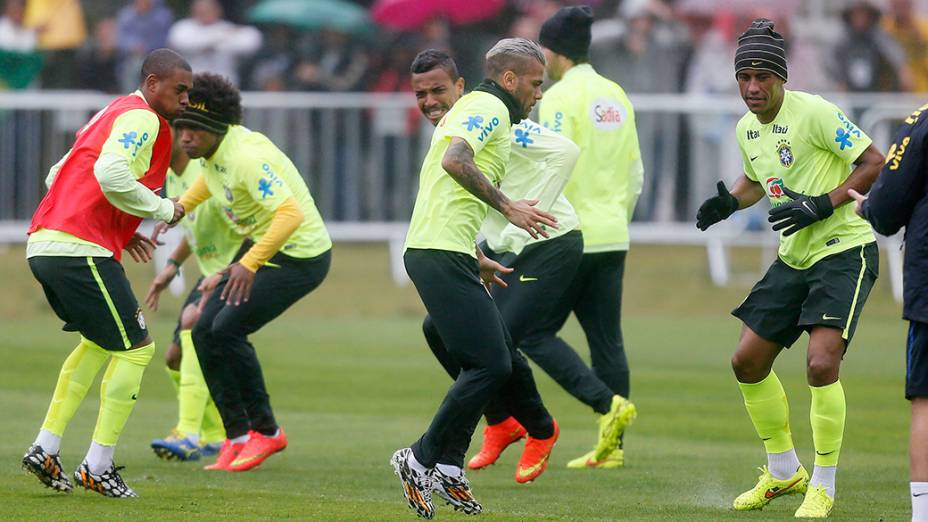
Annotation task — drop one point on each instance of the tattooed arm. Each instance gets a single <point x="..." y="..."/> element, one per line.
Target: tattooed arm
<point x="458" y="162"/>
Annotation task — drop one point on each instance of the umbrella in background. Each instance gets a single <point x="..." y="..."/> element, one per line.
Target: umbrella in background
<point x="338" y="15"/>
<point x="411" y="14"/>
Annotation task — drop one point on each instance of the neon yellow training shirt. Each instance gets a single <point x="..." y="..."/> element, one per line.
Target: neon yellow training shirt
<point x="212" y="237"/>
<point x="446" y="216"/>
<point x="596" y="114"/>
<point x="250" y="178"/>
<point x="810" y="146"/>
<point x="540" y="165"/>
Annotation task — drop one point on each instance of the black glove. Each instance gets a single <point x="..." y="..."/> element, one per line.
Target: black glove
<point x="716" y="208"/>
<point x="801" y="212"/>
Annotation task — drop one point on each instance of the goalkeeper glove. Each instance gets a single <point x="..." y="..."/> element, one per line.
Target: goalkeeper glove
<point x="716" y="208"/>
<point x="801" y="212"/>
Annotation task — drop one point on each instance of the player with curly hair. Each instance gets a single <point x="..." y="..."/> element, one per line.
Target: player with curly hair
<point x="263" y="194"/>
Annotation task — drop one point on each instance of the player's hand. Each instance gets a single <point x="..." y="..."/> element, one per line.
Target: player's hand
<point x="160" y="228"/>
<point x="489" y="271"/>
<point x="717" y="208"/>
<point x="206" y="288"/>
<point x="140" y="248"/>
<point x="801" y="212"/>
<point x="858" y="201"/>
<point x="161" y="281"/>
<point x="238" y="287"/>
<point x="179" y="212"/>
<point x="524" y="215"/>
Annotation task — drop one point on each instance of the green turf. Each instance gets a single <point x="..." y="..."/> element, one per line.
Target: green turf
<point x="351" y="380"/>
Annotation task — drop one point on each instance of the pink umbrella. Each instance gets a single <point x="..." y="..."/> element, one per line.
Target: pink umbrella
<point x="412" y="14"/>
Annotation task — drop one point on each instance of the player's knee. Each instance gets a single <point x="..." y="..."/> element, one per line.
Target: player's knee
<point x="821" y="370"/>
<point x="746" y="368"/>
<point x="189" y="317"/>
<point x="500" y="370"/>
<point x="172" y="357"/>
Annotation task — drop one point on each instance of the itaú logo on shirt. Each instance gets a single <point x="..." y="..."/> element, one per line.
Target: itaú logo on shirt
<point x="607" y="114"/>
<point x="775" y="188"/>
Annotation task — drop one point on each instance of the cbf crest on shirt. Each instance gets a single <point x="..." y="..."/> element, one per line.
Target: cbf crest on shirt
<point x="810" y="147"/>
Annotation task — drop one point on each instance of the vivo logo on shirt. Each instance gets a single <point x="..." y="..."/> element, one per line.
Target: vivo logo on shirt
<point x="488" y="129"/>
<point x="607" y="114"/>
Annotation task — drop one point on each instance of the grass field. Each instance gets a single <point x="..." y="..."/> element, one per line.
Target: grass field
<point x="352" y="380"/>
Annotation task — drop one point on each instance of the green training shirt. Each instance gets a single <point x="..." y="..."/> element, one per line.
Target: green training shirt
<point x="446" y="216"/>
<point x="250" y="177"/>
<point x="212" y="237"/>
<point x="595" y="113"/>
<point x="810" y="147"/>
<point x="540" y="165"/>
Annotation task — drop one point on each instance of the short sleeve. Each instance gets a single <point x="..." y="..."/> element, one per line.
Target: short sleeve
<point x="263" y="183"/>
<point x="832" y="130"/>
<point x="477" y="121"/>
<point x="133" y="133"/>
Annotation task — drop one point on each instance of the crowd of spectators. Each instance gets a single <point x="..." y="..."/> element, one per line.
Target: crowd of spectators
<point x="656" y="46"/>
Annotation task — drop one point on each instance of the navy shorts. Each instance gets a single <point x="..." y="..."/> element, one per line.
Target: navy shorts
<point x="916" y="361"/>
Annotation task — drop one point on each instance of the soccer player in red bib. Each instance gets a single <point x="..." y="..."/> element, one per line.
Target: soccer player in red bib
<point x="98" y="194"/>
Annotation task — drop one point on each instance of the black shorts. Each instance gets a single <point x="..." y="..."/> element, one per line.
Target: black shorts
<point x="192" y="298"/>
<point x="832" y="292"/>
<point x="916" y="361"/>
<point x="92" y="296"/>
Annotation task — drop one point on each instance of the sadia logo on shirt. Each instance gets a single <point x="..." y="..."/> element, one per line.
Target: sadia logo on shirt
<point x="775" y="188"/>
<point x="607" y="114"/>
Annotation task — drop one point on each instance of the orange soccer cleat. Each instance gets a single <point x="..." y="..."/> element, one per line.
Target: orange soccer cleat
<point x="258" y="448"/>
<point x="534" y="459"/>
<point x="227" y="453"/>
<point x="496" y="438"/>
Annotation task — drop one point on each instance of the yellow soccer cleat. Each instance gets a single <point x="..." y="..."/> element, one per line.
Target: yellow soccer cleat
<point x="612" y="425"/>
<point x="769" y="488"/>
<point x="616" y="459"/>
<point x="817" y="503"/>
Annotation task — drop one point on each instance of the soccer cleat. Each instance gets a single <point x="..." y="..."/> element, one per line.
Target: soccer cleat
<point x="47" y="468"/>
<point x="612" y="425"/>
<point x="176" y="447"/>
<point x="227" y="453"/>
<point x="455" y="491"/>
<point x="496" y="438"/>
<point x="535" y="457"/>
<point x="769" y="488"/>
<point x="258" y="448"/>
<point x="208" y="449"/>
<point x="417" y="487"/>
<point x="817" y="503"/>
<point x="108" y="483"/>
<point x="616" y="459"/>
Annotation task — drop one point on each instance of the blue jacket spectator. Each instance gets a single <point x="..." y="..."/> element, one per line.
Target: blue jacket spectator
<point x="141" y="27"/>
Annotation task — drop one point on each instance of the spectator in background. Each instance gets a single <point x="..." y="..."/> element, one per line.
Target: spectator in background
<point x="911" y="32"/>
<point x="97" y="61"/>
<point x="14" y="36"/>
<point x="331" y="62"/>
<point x="626" y="50"/>
<point x="866" y="58"/>
<point x="141" y="27"/>
<point x="269" y="69"/>
<point x="212" y="44"/>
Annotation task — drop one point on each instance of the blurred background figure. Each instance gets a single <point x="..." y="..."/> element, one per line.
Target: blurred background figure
<point x="14" y="36"/>
<point x="98" y="60"/>
<point x="211" y="43"/>
<point x="910" y="31"/>
<point x="141" y="27"/>
<point x="866" y="58"/>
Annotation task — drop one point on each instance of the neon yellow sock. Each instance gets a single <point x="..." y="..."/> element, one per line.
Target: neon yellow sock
<point x="769" y="411"/>
<point x="174" y="375"/>
<point x="193" y="391"/>
<point x="77" y="374"/>
<point x="212" y="429"/>
<point x="119" y="391"/>
<point x="827" y="418"/>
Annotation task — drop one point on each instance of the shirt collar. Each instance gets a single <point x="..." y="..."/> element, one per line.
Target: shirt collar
<point x="138" y="92"/>
<point x="578" y="69"/>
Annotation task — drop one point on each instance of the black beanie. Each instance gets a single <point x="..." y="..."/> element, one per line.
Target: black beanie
<point x="760" y="47"/>
<point x="567" y="32"/>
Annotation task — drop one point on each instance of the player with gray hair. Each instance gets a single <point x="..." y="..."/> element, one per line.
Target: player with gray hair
<point x="458" y="183"/>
